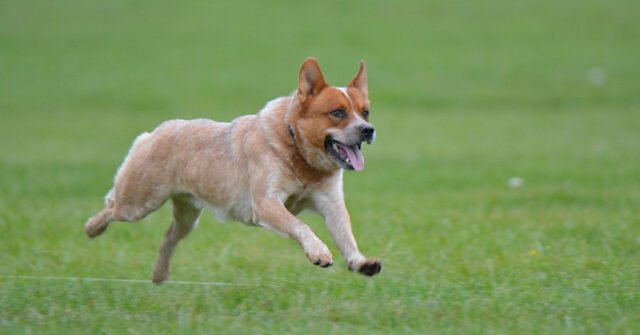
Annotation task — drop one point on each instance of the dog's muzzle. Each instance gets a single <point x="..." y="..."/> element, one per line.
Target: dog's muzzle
<point x="368" y="133"/>
<point x="347" y="154"/>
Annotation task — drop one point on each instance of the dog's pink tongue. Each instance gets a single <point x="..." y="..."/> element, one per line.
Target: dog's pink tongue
<point x="355" y="157"/>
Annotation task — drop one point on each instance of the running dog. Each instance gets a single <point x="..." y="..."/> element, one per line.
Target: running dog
<point x="259" y="169"/>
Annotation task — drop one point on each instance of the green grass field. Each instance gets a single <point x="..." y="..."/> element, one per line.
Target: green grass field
<point x="465" y="96"/>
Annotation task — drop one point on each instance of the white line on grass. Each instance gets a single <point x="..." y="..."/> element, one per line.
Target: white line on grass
<point x="119" y="280"/>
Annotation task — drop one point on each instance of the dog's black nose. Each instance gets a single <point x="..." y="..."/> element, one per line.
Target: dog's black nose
<point x="367" y="131"/>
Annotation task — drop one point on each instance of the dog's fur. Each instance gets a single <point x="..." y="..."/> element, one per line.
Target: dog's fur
<point x="259" y="169"/>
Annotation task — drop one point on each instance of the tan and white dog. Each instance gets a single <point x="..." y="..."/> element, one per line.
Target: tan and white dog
<point x="259" y="169"/>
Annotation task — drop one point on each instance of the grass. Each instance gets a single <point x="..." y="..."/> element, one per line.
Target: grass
<point x="464" y="97"/>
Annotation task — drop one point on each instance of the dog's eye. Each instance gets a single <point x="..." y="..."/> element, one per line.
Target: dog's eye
<point x="365" y="114"/>
<point x="338" y="114"/>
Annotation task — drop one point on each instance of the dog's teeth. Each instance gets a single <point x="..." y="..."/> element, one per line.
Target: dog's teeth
<point x="335" y="146"/>
<point x="348" y="161"/>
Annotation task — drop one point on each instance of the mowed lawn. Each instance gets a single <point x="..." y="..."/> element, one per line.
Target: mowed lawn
<point x="465" y="96"/>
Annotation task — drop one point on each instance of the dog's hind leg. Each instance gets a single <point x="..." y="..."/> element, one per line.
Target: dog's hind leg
<point x="185" y="219"/>
<point x="131" y="205"/>
<point x="98" y="224"/>
<point x="139" y="188"/>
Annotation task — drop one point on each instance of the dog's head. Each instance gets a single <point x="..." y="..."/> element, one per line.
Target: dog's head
<point x="331" y="122"/>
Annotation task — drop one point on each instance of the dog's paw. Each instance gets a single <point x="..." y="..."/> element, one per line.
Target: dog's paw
<point x="319" y="255"/>
<point x="92" y="229"/>
<point x="369" y="267"/>
<point x="160" y="274"/>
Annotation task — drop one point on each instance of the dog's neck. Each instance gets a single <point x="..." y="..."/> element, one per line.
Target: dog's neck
<point x="293" y="136"/>
<point x="305" y="172"/>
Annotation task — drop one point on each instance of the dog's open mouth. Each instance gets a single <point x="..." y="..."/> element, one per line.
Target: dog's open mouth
<point x="346" y="156"/>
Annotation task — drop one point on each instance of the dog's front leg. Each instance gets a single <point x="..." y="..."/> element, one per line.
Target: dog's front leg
<point x="331" y="206"/>
<point x="272" y="214"/>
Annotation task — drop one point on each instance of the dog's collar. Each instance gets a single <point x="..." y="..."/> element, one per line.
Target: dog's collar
<point x="293" y="136"/>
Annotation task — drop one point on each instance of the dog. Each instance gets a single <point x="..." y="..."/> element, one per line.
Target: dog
<point x="260" y="169"/>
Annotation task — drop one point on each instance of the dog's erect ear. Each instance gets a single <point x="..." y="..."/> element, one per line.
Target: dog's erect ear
<point x="310" y="80"/>
<point x="360" y="81"/>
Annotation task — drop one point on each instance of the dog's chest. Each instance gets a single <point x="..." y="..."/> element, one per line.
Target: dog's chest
<point x="297" y="202"/>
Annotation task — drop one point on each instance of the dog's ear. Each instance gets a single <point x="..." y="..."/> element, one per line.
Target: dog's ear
<point x="310" y="80"/>
<point x="360" y="81"/>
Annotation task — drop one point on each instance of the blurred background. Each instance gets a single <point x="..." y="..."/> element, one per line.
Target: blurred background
<point x="502" y="192"/>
